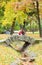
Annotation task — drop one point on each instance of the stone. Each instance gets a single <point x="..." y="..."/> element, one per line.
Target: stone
<point x="7" y="42"/>
<point x="13" y="63"/>
<point x="16" y="62"/>
<point x="31" y="55"/>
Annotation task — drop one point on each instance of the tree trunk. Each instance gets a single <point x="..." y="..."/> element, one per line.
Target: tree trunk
<point x="30" y="26"/>
<point x="24" y="25"/>
<point x="12" y="28"/>
<point x="37" y="5"/>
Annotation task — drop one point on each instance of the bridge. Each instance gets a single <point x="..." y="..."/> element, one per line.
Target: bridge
<point x="27" y="39"/>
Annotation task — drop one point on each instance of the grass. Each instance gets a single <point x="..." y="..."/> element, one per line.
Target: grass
<point x="7" y="55"/>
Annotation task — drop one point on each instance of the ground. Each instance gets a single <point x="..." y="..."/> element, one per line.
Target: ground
<point x="9" y="55"/>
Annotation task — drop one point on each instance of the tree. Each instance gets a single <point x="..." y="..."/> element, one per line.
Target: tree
<point x="21" y="9"/>
<point x="12" y="27"/>
<point x="38" y="17"/>
<point x="10" y="14"/>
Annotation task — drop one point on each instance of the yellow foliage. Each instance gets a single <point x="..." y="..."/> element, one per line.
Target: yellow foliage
<point x="8" y="5"/>
<point x="4" y="23"/>
<point x="2" y="4"/>
<point x="14" y="0"/>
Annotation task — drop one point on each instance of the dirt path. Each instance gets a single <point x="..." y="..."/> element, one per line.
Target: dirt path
<point x="2" y="36"/>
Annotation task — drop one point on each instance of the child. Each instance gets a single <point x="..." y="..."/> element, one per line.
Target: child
<point x="21" y="32"/>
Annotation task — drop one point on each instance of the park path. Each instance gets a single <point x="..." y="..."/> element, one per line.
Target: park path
<point x="3" y="36"/>
<point x="36" y="35"/>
